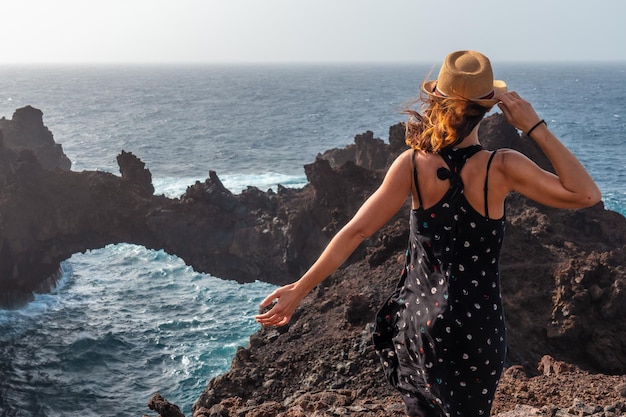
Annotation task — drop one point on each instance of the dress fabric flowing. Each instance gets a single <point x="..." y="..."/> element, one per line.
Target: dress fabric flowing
<point x="441" y="334"/>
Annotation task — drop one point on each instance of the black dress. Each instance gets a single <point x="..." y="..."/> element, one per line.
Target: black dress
<point x="441" y="335"/>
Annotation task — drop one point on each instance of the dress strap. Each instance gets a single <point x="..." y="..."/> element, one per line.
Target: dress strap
<point x="486" y="183"/>
<point x="417" y="187"/>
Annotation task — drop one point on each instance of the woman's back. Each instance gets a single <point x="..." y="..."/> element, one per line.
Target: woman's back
<point x="473" y="176"/>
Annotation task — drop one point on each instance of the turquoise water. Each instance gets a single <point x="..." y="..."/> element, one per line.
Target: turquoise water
<point x="126" y="322"/>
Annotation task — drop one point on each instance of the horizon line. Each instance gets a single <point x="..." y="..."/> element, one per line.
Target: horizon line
<point x="294" y="63"/>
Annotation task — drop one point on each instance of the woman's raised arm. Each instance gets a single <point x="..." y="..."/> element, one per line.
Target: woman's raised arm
<point x="571" y="187"/>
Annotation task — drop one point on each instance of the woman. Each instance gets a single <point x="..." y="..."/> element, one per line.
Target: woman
<point x="441" y="335"/>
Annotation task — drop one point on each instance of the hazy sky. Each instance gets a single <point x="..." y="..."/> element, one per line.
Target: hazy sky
<point x="153" y="31"/>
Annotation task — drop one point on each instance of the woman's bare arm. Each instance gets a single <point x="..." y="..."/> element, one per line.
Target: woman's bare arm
<point x="373" y="214"/>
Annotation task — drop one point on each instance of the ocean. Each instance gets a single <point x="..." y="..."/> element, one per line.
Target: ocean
<point x="126" y="322"/>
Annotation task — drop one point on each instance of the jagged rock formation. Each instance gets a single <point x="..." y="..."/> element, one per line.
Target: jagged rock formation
<point x="26" y="132"/>
<point x="48" y="213"/>
<point x="563" y="271"/>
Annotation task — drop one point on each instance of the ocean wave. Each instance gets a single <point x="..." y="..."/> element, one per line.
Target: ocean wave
<point x="236" y="183"/>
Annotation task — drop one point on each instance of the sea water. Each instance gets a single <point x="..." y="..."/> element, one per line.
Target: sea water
<point x="124" y="321"/>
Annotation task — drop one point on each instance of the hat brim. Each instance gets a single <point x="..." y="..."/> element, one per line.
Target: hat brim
<point x="499" y="88"/>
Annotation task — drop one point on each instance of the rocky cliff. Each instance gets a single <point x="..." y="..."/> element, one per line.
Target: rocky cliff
<point x="563" y="270"/>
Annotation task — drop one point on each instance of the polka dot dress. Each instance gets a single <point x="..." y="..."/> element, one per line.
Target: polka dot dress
<point x="441" y="334"/>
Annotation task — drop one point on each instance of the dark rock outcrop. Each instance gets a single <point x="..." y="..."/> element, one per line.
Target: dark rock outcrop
<point x="26" y="131"/>
<point x="563" y="270"/>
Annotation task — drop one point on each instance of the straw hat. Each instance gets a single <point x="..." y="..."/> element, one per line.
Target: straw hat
<point x="467" y="75"/>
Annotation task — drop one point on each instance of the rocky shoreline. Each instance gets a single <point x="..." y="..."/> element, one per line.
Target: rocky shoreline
<point x="564" y="274"/>
<point x="323" y="364"/>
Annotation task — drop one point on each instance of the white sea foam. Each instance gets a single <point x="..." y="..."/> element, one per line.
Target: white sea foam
<point x="175" y="187"/>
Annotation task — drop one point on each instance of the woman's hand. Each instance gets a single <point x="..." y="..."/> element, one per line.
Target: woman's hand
<point x="288" y="298"/>
<point x="518" y="111"/>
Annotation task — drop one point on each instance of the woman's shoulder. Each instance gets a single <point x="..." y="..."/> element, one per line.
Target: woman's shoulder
<point x="406" y="156"/>
<point x="511" y="163"/>
<point x="506" y="156"/>
<point x="403" y="161"/>
<point x="411" y="157"/>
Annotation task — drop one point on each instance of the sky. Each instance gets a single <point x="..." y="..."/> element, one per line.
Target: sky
<point x="312" y="31"/>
